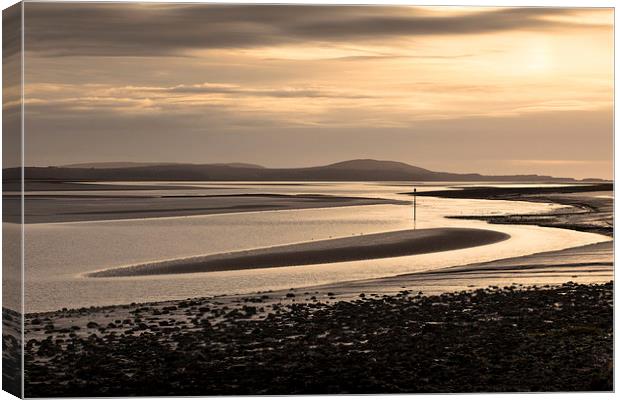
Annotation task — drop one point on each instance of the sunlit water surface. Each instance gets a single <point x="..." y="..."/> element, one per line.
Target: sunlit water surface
<point x="58" y="254"/>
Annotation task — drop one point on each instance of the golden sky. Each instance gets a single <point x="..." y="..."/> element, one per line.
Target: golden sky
<point x="488" y="90"/>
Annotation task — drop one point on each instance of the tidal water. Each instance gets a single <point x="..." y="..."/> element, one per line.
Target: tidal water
<point x="59" y="254"/>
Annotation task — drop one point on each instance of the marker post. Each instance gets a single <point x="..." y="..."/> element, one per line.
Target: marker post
<point x="414" y="206"/>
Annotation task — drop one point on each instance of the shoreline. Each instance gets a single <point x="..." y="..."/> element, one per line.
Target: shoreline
<point x="596" y="215"/>
<point x="426" y="282"/>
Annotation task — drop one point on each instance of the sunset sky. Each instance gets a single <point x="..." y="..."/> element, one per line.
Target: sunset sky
<point x="488" y="90"/>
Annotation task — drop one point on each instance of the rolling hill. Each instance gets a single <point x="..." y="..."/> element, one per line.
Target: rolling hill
<point x="353" y="170"/>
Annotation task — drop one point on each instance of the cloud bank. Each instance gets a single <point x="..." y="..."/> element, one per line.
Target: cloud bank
<point x="70" y="29"/>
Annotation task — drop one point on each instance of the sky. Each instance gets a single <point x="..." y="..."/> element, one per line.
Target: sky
<point x="457" y="89"/>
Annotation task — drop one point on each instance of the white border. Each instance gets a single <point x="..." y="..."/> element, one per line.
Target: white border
<point x="500" y="3"/>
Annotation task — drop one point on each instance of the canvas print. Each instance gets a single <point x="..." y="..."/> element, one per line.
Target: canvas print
<point x="244" y="199"/>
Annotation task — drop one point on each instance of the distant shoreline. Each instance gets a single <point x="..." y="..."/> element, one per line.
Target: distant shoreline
<point x="73" y="206"/>
<point x="78" y="208"/>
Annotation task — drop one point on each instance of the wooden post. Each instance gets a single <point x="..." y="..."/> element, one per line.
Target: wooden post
<point x="414" y="206"/>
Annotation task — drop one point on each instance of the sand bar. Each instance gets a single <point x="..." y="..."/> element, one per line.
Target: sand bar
<point x="364" y="247"/>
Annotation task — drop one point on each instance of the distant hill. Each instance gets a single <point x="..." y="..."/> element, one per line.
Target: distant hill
<point x="123" y="164"/>
<point x="353" y="170"/>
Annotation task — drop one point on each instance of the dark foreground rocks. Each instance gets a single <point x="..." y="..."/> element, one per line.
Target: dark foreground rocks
<point x="11" y="352"/>
<point x="534" y="339"/>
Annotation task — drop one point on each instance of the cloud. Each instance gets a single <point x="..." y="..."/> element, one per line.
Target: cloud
<point x="291" y="92"/>
<point x="379" y="57"/>
<point x="233" y="91"/>
<point x="225" y="104"/>
<point x="11" y="31"/>
<point x="228" y="106"/>
<point x="58" y="29"/>
<point x="408" y="24"/>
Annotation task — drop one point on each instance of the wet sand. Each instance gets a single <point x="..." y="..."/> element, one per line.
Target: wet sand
<point x="75" y="207"/>
<point x="43" y="186"/>
<point x="584" y="264"/>
<point x="589" y="207"/>
<point x="364" y="247"/>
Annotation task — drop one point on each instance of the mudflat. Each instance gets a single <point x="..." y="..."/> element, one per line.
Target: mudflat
<point x="74" y="207"/>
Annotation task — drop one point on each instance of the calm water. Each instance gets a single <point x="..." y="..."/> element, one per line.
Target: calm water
<point x="58" y="254"/>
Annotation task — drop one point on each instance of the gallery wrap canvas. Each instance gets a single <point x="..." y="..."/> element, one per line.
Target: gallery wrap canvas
<point x="253" y="199"/>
